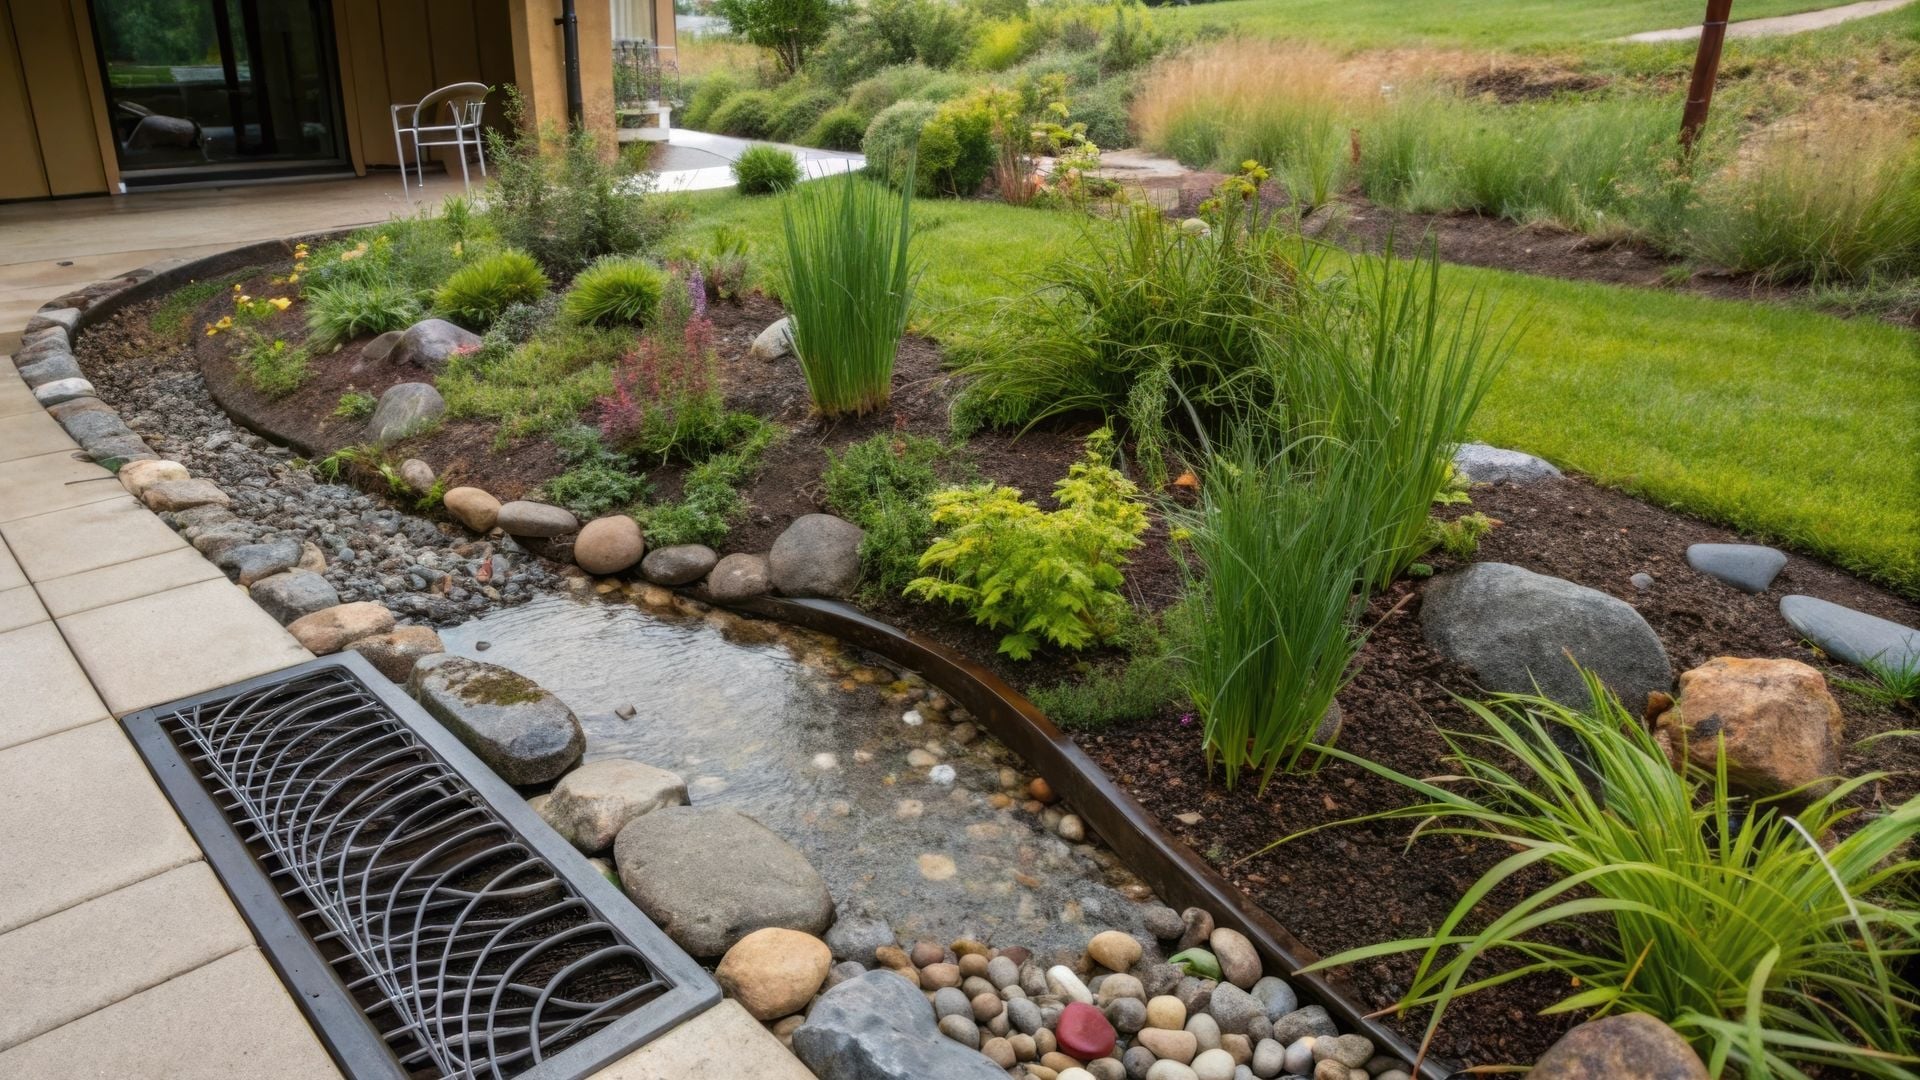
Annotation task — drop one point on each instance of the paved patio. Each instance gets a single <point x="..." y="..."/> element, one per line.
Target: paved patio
<point x="125" y="958"/>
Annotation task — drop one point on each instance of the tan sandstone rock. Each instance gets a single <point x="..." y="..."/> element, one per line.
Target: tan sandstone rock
<point x="138" y="476"/>
<point x="331" y="629"/>
<point x="608" y="545"/>
<point x="394" y="653"/>
<point x="774" y="972"/>
<point x="1629" y="1046"/>
<point x="1782" y="728"/>
<point x="472" y="507"/>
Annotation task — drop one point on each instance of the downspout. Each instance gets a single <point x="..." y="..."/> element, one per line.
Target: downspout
<point x="576" y="99"/>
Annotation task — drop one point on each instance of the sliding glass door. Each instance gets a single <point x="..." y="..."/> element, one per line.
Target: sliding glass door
<point x="209" y="88"/>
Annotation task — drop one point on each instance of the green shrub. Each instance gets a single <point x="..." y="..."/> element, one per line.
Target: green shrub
<point x="518" y="323"/>
<point x="274" y="367"/>
<point x="1771" y="935"/>
<point x="1103" y="108"/>
<point x="531" y="388"/>
<point x="790" y="28"/>
<point x="710" y="499"/>
<point x="799" y="106"/>
<point x="618" y="291"/>
<point x="709" y="94"/>
<point x="899" y="82"/>
<point x="1148" y="682"/>
<point x="848" y="283"/>
<point x="748" y="115"/>
<point x="839" y="128"/>
<point x="350" y="309"/>
<point x="883" y="33"/>
<point x="893" y="137"/>
<point x="956" y="148"/>
<point x="354" y="405"/>
<point x="1003" y="43"/>
<point x="882" y="485"/>
<point x="596" y="484"/>
<point x="763" y="170"/>
<point x="1039" y="576"/>
<point x="481" y="290"/>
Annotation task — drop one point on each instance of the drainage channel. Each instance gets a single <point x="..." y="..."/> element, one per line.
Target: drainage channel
<point x="425" y="920"/>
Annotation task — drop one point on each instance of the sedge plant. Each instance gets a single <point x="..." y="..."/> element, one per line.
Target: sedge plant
<point x="848" y="283"/>
<point x="1775" y="934"/>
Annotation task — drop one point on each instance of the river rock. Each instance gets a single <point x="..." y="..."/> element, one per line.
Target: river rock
<point x="395" y="652"/>
<point x="774" y="342"/>
<point x="1116" y="986"/>
<point x="1166" y="1045"/>
<point x="878" y="1027"/>
<point x="54" y="314"/>
<point x="1485" y="464"/>
<point x="678" y="564"/>
<point x="1083" y="1032"/>
<point x="248" y="563"/>
<point x="417" y="475"/>
<point x="521" y="731"/>
<point x="472" y="507"/>
<point x="54" y="365"/>
<point x="1276" y="995"/>
<point x="1170" y="1070"/>
<point x="1239" y="960"/>
<point x="1199" y="926"/>
<point x="1747" y="567"/>
<point x="403" y="409"/>
<point x="1296" y="1025"/>
<point x="608" y="545"/>
<point x="1627" y="1046"/>
<point x="1853" y="636"/>
<point x="382" y="346"/>
<point x="41" y="348"/>
<point x="858" y="937"/>
<point x="710" y="876"/>
<point x="1513" y="628"/>
<point x="430" y="343"/>
<point x="1114" y="950"/>
<point x="1234" y="1008"/>
<point x="538" y="520"/>
<point x="738" y="577"/>
<point x="138" y="476"/>
<point x="183" y="495"/>
<point x="1205" y="1030"/>
<point x="331" y="629"/>
<point x="1269" y="1057"/>
<point x="817" y="555"/>
<point x="1127" y="1015"/>
<point x="1353" y="1051"/>
<point x="55" y="391"/>
<point x="1781" y="727"/>
<point x="291" y="595"/>
<point x="591" y="804"/>
<point x="774" y="972"/>
<point x="1066" y="985"/>
<point x="1213" y="1064"/>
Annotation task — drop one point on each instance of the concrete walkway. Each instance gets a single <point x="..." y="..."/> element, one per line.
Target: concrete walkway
<point x="1780" y="24"/>
<point x="699" y="161"/>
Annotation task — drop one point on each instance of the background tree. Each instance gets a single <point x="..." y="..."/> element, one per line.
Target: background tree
<point x="791" y="28"/>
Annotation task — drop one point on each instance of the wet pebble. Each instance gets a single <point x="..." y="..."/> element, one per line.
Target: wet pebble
<point x="961" y="1030"/>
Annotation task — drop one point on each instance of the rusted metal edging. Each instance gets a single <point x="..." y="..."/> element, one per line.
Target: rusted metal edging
<point x="1179" y="876"/>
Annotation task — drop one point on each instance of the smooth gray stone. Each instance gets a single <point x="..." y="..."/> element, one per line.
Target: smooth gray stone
<point x="539" y="520"/>
<point x="1853" y="636"/>
<point x="56" y="391"/>
<point x="51" y="365"/>
<point x="1276" y="995"/>
<point x="430" y="343"/>
<point x="521" y="731"/>
<point x="248" y="563"/>
<point x="817" y="555"/>
<point x="878" y="1027"/>
<point x="64" y="317"/>
<point x="290" y="595"/>
<point x="1747" y="567"/>
<point x="710" y="876"/>
<point x="856" y="937"/>
<point x="404" y="409"/>
<point x="1312" y="1020"/>
<point x="679" y="564"/>
<point x="1514" y="628"/>
<point x="1485" y="464"/>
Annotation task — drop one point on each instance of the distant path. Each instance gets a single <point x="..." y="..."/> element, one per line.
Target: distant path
<point x="1783" y="24"/>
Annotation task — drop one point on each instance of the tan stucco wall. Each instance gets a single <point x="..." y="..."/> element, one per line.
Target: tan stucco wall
<point x="47" y="106"/>
<point x="539" y="63"/>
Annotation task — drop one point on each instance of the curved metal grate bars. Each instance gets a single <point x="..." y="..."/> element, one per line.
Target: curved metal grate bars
<point x="469" y="951"/>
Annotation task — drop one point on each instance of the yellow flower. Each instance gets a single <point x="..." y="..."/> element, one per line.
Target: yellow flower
<point x="211" y="331"/>
<point x="226" y="321"/>
<point x="243" y="298"/>
<point x="236" y="288"/>
<point x="281" y="302"/>
<point x="291" y="278"/>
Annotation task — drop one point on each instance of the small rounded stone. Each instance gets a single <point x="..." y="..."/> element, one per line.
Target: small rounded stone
<point x="1106" y="1068"/>
<point x="973" y="965"/>
<point x="1044" y="1042"/>
<point x="1213" y="1064"/>
<point x="1177" y="1046"/>
<point x="1331" y="1070"/>
<point x="961" y="1030"/>
<point x="1170" y="1070"/>
<point x="999" y="1051"/>
<point x="987" y="1006"/>
<point x="1059" y="1062"/>
<point x="1062" y="982"/>
<point x="1205" y="1031"/>
<point x="937" y="976"/>
<point x="1166" y="1012"/>
<point x="1114" y="950"/>
<point x="1199" y="927"/>
<point x="1137" y="1060"/>
<point x="948" y="1001"/>
<point x="1127" y="1015"/>
<point x="1002" y="972"/>
<point x="1119" y="985"/>
<point x="1024" y="1015"/>
<point x="1023" y="1046"/>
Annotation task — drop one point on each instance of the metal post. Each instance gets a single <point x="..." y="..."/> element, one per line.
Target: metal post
<point x="576" y="99"/>
<point x="1706" y="69"/>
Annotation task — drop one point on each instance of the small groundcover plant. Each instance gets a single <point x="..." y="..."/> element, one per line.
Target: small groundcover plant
<point x="1039" y="576"/>
<point x="1770" y="936"/>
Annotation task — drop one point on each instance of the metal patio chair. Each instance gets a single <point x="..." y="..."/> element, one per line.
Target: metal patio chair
<point x="465" y="105"/>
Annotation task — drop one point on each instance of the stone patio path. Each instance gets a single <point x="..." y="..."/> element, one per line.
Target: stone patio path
<point x="1780" y="24"/>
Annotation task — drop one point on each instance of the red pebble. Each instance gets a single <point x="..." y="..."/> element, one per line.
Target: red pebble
<point x="1084" y="1033"/>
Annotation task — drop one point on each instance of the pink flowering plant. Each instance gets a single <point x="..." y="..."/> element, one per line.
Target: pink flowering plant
<point x="666" y="400"/>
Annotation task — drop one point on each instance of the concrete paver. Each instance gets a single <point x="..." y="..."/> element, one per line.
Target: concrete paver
<point x="229" y="1019"/>
<point x="48" y="482"/>
<point x="74" y="593"/>
<point x="15" y="398"/>
<point x="168" y="645"/>
<point x="11" y="576"/>
<point x="83" y="818"/>
<point x="723" y="1041"/>
<point x="20" y="606"/>
<point x="112" y="947"/>
<point x="88" y="537"/>
<point x="30" y="434"/>
<point x="46" y="691"/>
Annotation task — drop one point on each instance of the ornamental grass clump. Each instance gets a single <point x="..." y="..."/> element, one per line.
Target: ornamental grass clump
<point x="1039" y="576"/>
<point x="616" y="291"/>
<point x="1279" y="554"/>
<point x="478" y="292"/>
<point x="1774" y="939"/>
<point x="848" y="283"/>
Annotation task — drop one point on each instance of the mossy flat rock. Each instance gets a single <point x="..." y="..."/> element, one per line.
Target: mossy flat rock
<point x="520" y="730"/>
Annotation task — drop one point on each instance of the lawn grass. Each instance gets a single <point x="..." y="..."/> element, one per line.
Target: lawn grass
<point x="1788" y="424"/>
<point x="1510" y="24"/>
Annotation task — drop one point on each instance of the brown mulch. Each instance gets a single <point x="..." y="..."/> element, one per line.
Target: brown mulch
<point x="1351" y="885"/>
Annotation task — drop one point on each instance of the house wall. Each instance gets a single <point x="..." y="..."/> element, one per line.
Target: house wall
<point x="395" y="51"/>
<point x="48" y="113"/>
<point x="539" y="53"/>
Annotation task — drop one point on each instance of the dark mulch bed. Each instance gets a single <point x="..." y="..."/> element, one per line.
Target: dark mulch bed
<point x="1351" y="886"/>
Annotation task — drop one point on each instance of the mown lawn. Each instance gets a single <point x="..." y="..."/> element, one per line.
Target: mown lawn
<point x="1788" y="424"/>
<point x="1482" y="23"/>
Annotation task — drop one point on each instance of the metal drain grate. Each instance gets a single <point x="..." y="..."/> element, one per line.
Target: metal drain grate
<point x="426" y="920"/>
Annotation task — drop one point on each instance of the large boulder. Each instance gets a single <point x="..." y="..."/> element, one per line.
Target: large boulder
<point x="591" y="804"/>
<point x="430" y="343"/>
<point x="1853" y="636"/>
<point x="774" y="342"/>
<point x="403" y="410"/>
<point x="1514" y="628"/>
<point x="522" y="732"/>
<point x="608" y="545"/>
<point x="817" y="555"/>
<point x="382" y="347"/>
<point x="395" y="652"/>
<point x="738" y="577"/>
<point x="538" y="520"/>
<point x="331" y="629"/>
<point x="774" y="972"/>
<point x="878" y="1026"/>
<point x="1627" y="1046"/>
<point x="472" y="507"/>
<point x="680" y="564"/>
<point x="1747" y="567"/>
<point x="1485" y="464"/>
<point x="1781" y="726"/>
<point x="295" y="593"/>
<point x="710" y="875"/>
